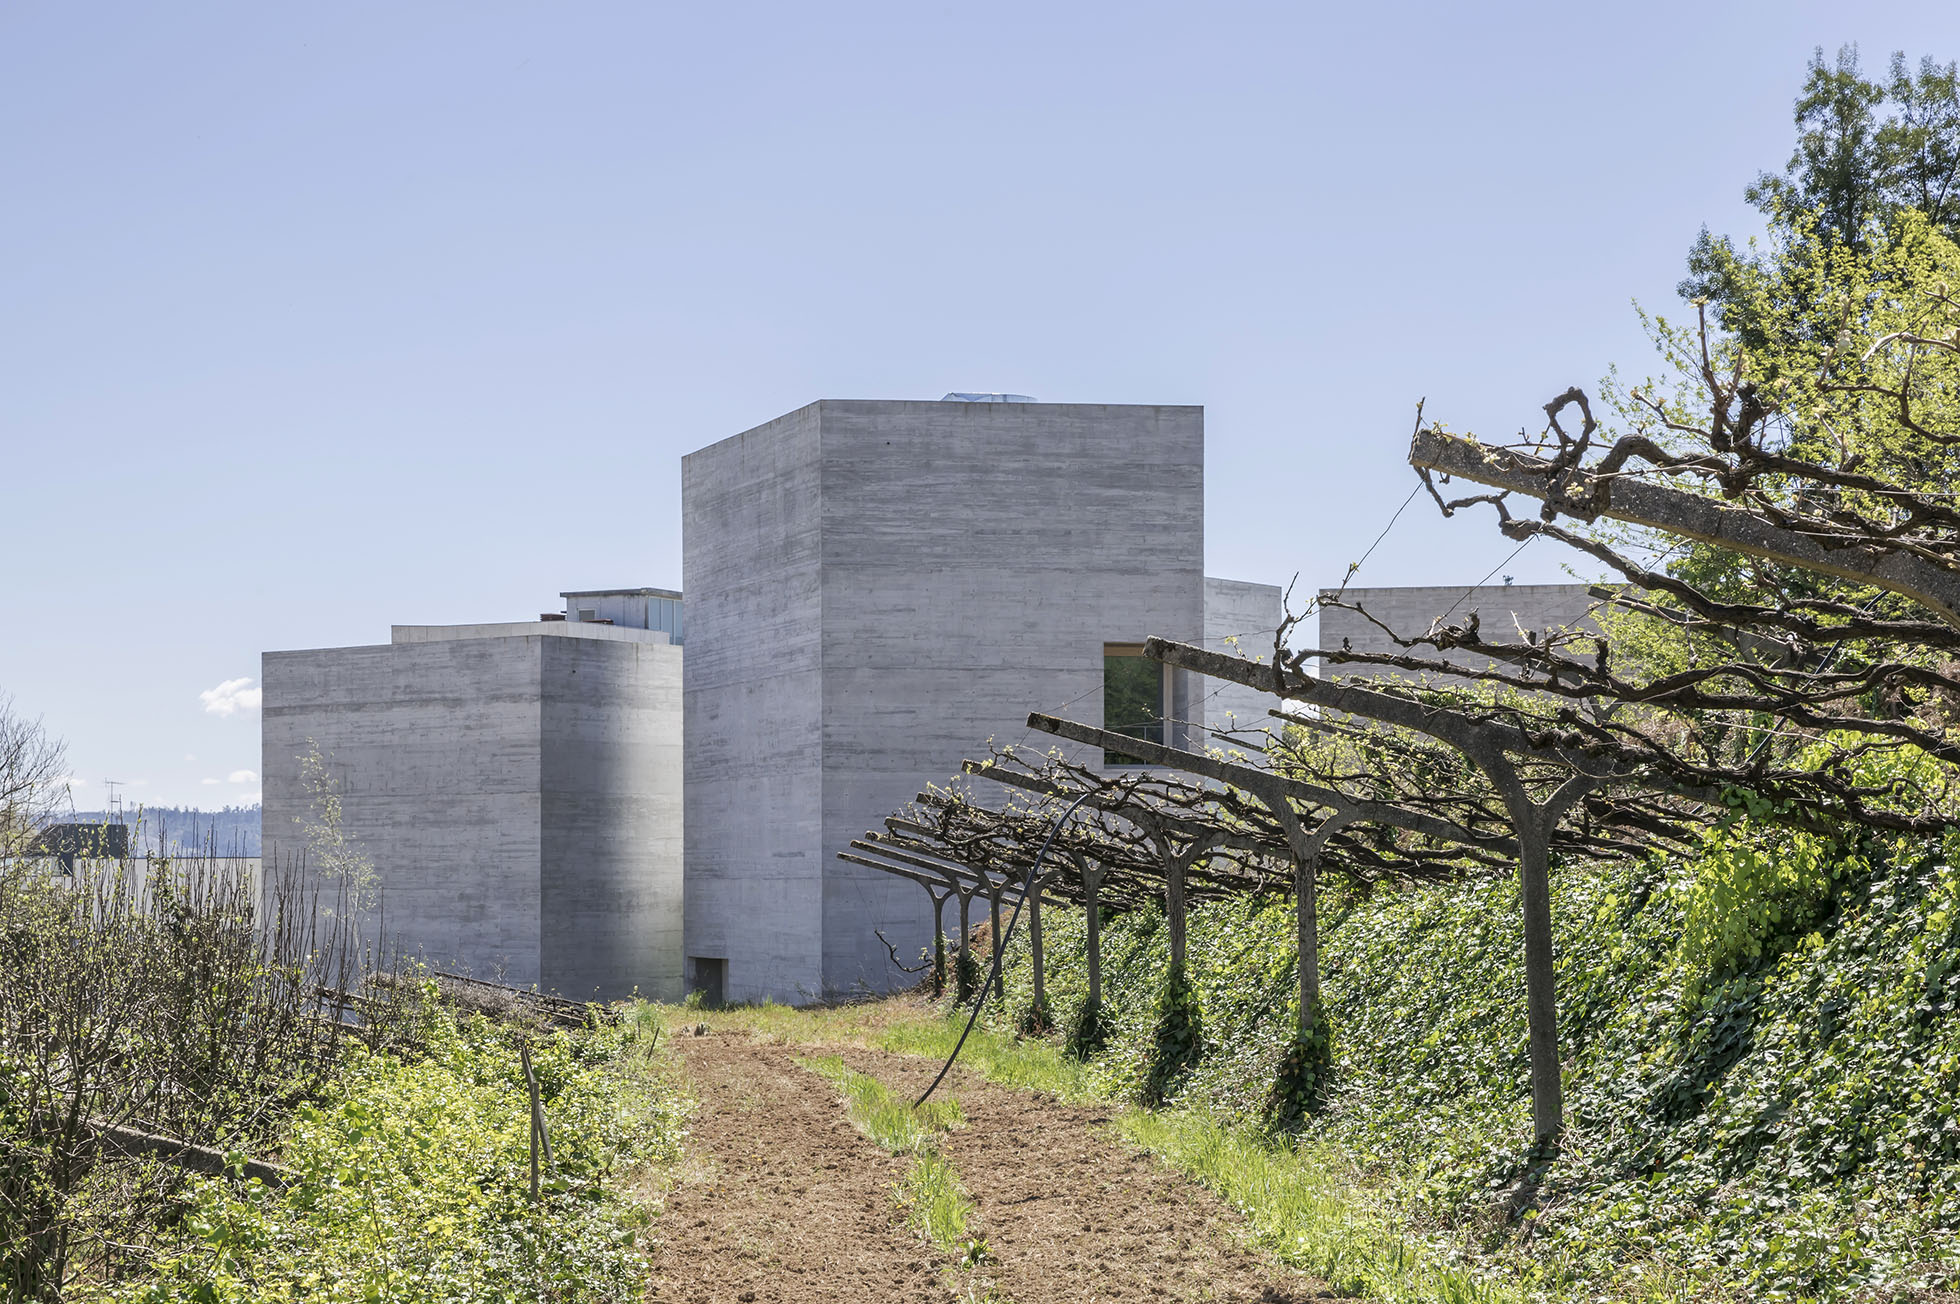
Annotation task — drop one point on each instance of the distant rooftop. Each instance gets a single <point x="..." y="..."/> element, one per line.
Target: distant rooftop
<point x="604" y="630"/>
<point x="987" y="398"/>
<point x="621" y="593"/>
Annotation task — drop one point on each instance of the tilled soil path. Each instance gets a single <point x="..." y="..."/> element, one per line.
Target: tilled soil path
<point x="784" y="1200"/>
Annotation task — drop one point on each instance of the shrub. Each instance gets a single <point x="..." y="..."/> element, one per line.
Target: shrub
<point x="412" y="1183"/>
<point x="186" y="1004"/>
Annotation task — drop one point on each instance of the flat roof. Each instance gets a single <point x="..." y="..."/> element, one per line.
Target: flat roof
<point x="589" y="629"/>
<point x="621" y="593"/>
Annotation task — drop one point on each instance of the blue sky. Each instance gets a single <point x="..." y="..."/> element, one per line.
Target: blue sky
<point x="321" y="318"/>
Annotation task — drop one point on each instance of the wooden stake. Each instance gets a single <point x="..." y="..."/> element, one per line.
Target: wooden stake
<point x="1092" y="924"/>
<point x="1034" y="948"/>
<point x="1000" y="979"/>
<point x="538" y="1137"/>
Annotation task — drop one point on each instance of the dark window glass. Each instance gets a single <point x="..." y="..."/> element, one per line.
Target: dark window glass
<point x="1133" y="698"/>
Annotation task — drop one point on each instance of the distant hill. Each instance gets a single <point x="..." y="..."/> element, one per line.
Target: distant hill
<point x="177" y="830"/>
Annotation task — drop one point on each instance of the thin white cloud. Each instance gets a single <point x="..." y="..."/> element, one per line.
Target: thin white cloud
<point x="231" y="697"/>
<point x="208" y="782"/>
<point x="242" y="776"/>
<point x="250" y="798"/>
<point x="190" y="756"/>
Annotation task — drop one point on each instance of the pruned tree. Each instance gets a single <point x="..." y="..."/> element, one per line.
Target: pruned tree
<point x="31" y="787"/>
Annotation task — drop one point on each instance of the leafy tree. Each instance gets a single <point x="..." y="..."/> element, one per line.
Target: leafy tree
<point x="1867" y="152"/>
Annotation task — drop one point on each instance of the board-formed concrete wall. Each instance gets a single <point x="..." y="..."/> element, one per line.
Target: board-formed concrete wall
<point x="611" y="810"/>
<point x="875" y="590"/>
<point x="516" y="786"/>
<point x="1502" y="610"/>
<point x="1240" y="620"/>
<point x="751" y="540"/>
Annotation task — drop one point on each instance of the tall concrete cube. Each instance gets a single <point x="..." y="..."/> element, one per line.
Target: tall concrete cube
<point x="874" y="591"/>
<point x="518" y="788"/>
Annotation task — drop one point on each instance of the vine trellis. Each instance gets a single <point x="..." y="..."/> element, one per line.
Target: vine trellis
<point x="1803" y="672"/>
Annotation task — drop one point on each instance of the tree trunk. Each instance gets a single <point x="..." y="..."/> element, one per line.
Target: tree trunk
<point x="1174" y="906"/>
<point x="938" y="946"/>
<point x="1000" y="979"/>
<point x="963" y="965"/>
<point x="1540" y="975"/>
<point x="1306" y="899"/>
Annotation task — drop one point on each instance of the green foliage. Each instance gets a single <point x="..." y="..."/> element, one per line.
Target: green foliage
<point x="1754" y="889"/>
<point x="1852" y="359"/>
<point x="1088" y="1031"/>
<point x="1782" y="1125"/>
<point x="413" y="1182"/>
<point x="184" y="1004"/>
<point x="1301" y="1080"/>
<point x="1867" y="151"/>
<point x="1177" y="1038"/>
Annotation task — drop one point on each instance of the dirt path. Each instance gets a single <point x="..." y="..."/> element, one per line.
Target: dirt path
<point x="780" y="1198"/>
<point x="786" y="1201"/>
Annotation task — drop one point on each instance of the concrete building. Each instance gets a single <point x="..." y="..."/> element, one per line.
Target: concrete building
<point x="874" y="591"/>
<point x="877" y="589"/>
<point x="658" y="609"/>
<point x="518" y="787"/>
<point x="1240" y="620"/>
<point x="1503" y="610"/>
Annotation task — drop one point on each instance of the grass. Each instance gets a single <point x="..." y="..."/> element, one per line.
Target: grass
<point x="786" y="1025"/>
<point x="1307" y="1215"/>
<point x="935" y="1201"/>
<point x="1009" y="1061"/>
<point x="891" y="1121"/>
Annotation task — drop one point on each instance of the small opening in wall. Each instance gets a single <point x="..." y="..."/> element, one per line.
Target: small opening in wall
<point x="708" y="974"/>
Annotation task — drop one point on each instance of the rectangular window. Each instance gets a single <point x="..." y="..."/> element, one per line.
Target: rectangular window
<point x="1133" y="697"/>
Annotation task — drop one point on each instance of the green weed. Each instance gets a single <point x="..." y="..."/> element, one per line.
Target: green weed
<point x="411" y="1180"/>
<point x="1010" y="1061"/>
<point x="891" y="1121"/>
<point x="936" y="1202"/>
<point x="1307" y="1216"/>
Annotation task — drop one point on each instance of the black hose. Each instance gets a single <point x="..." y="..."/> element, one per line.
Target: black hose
<point x="1000" y="949"/>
